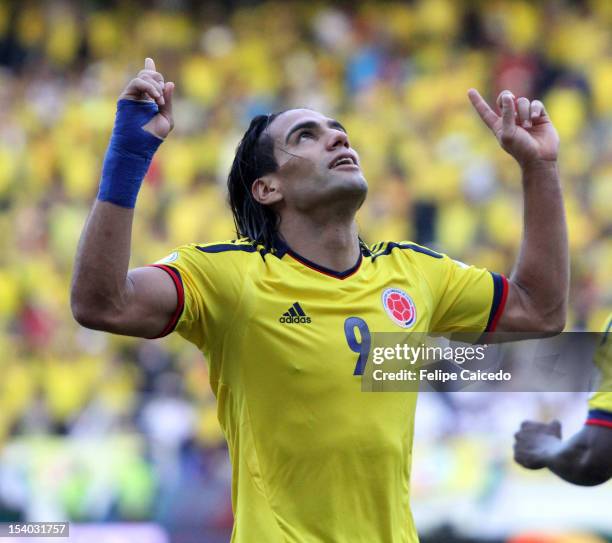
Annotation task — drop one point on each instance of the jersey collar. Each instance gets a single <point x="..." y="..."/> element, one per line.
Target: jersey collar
<point x="281" y="249"/>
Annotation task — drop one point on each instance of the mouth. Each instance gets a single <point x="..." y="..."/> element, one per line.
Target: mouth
<point x="344" y="161"/>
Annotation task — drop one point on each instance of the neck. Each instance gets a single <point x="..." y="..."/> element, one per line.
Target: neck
<point x="333" y="244"/>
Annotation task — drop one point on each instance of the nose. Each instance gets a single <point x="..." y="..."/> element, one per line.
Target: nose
<point x="337" y="138"/>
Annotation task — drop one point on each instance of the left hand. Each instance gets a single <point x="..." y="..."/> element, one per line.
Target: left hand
<point x="524" y="129"/>
<point x="535" y="442"/>
<point x="149" y="85"/>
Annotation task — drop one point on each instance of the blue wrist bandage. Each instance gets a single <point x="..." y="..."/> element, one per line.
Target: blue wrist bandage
<point x="129" y="153"/>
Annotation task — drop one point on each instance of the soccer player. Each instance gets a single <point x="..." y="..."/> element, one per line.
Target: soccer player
<point x="586" y="458"/>
<point x="285" y="314"/>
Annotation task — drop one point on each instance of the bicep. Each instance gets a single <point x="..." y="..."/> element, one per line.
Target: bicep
<point x="152" y="301"/>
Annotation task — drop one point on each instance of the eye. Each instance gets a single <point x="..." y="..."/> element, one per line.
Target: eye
<point x="305" y="134"/>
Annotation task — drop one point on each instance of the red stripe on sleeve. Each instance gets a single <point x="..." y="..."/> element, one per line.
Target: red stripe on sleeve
<point x="178" y="284"/>
<point x="599" y="422"/>
<point x="502" y="305"/>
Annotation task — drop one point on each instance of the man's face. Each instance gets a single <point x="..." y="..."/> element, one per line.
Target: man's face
<point x="316" y="164"/>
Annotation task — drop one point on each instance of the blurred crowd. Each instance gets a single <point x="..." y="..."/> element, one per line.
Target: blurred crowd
<point x="395" y="74"/>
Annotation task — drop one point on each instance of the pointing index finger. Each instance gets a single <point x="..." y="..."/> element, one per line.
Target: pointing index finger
<point x="149" y="64"/>
<point x="486" y="113"/>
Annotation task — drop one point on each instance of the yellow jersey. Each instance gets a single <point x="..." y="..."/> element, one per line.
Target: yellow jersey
<point x="600" y="403"/>
<point x="314" y="459"/>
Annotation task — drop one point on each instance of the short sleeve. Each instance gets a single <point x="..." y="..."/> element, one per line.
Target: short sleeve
<point x="465" y="298"/>
<point x="600" y="403"/>
<point x="209" y="280"/>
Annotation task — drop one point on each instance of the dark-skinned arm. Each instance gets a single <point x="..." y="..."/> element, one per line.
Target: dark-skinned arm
<point x="585" y="459"/>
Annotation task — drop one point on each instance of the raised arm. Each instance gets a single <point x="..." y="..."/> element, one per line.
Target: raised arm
<point x="584" y="459"/>
<point x="539" y="285"/>
<point x="104" y="295"/>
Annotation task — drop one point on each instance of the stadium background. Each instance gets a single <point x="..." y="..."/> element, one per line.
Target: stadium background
<point x="102" y="429"/>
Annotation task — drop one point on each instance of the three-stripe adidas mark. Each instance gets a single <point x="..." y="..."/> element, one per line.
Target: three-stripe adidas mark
<point x="295" y="315"/>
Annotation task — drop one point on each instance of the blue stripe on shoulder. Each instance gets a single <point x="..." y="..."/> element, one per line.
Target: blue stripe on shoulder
<point x="412" y="246"/>
<point x="600" y="414"/>
<point x="419" y="249"/>
<point x="223" y="247"/>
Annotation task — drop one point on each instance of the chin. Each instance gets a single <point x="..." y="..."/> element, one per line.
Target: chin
<point x="346" y="191"/>
<point x="354" y="179"/>
<point x="352" y="186"/>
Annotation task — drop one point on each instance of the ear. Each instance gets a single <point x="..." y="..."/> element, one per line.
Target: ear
<point x="266" y="190"/>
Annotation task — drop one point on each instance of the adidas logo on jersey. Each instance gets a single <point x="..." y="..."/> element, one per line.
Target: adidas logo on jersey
<point x="295" y="315"/>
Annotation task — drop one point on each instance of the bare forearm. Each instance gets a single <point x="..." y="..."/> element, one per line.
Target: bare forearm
<point x="102" y="260"/>
<point x="577" y="462"/>
<point x="542" y="268"/>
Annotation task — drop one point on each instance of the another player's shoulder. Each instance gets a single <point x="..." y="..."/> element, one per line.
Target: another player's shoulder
<point x="603" y="356"/>
<point x="607" y="328"/>
<point x="402" y="249"/>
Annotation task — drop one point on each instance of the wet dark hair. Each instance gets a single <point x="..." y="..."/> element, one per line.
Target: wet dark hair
<point x="254" y="158"/>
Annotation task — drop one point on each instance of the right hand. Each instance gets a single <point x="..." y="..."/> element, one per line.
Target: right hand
<point x="535" y="442"/>
<point x="149" y="85"/>
<point x="523" y="129"/>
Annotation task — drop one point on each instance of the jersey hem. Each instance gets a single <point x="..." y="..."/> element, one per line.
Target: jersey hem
<point x="180" y="292"/>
